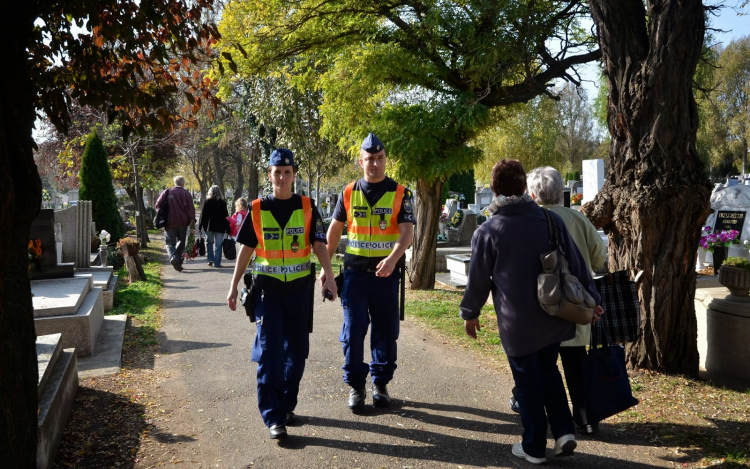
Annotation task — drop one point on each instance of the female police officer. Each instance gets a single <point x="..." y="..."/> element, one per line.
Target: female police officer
<point x="281" y="229"/>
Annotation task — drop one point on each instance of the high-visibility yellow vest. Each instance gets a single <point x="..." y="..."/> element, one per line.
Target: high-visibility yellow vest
<point x="373" y="231"/>
<point x="282" y="253"/>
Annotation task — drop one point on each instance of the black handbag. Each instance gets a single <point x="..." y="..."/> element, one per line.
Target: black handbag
<point x="605" y="380"/>
<point x="162" y="213"/>
<point x="201" y="246"/>
<point x="622" y="309"/>
<point x="229" y="249"/>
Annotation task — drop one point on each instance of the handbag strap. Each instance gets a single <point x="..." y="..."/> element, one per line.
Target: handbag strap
<point x="553" y="234"/>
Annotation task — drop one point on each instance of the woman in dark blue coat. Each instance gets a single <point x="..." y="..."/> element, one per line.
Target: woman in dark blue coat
<point x="505" y="260"/>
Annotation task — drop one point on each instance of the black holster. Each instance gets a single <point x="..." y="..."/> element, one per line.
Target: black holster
<point x="339" y="279"/>
<point x="246" y="296"/>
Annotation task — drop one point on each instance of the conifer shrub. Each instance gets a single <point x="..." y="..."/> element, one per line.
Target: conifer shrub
<point x="96" y="185"/>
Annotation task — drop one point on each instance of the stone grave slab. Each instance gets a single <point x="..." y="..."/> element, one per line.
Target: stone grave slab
<point x="458" y="266"/>
<point x="48" y="350"/>
<point x="78" y="330"/>
<point x="59" y="297"/>
<point x="55" y="403"/>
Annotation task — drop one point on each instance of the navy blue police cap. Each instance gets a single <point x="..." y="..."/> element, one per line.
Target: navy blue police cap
<point x="372" y="144"/>
<point x="282" y="157"/>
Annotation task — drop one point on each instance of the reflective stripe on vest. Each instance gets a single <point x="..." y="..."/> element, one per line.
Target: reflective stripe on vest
<point x="282" y="253"/>
<point x="372" y="231"/>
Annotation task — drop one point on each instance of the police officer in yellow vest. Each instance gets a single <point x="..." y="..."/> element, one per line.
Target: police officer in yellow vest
<point x="380" y="227"/>
<point x="281" y="229"/>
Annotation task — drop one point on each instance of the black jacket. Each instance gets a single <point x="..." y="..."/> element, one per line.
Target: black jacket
<point x="214" y="216"/>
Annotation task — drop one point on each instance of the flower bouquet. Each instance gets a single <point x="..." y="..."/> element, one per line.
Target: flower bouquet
<point x="34" y="252"/>
<point x="724" y="238"/>
<point x="191" y="248"/>
<point x="575" y="198"/>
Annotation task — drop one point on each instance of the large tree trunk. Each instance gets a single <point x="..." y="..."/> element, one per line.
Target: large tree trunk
<point x="240" y="180"/>
<point x="218" y="169"/>
<point x="252" y="177"/>
<point x="428" y="206"/>
<point x="22" y="194"/>
<point x="656" y="196"/>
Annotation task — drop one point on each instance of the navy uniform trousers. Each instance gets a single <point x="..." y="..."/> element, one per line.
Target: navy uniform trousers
<point x="281" y="347"/>
<point x="368" y="299"/>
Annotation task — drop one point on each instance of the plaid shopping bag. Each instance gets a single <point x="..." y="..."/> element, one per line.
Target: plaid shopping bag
<point x="622" y="308"/>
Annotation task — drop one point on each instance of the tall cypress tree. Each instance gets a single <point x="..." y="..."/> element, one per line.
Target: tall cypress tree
<point x="96" y="185"/>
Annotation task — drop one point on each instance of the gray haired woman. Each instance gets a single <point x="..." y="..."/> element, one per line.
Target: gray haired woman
<point x="545" y="185"/>
<point x="214" y="222"/>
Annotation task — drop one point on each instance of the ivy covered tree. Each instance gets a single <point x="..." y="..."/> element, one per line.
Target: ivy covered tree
<point x="96" y="185"/>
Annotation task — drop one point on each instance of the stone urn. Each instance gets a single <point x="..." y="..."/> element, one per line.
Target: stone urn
<point x="736" y="279"/>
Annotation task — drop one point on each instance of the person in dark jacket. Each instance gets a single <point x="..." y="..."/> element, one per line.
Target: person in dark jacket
<point x="181" y="216"/>
<point x="214" y="223"/>
<point x="505" y="260"/>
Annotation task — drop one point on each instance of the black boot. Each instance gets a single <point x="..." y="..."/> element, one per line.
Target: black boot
<point x="380" y="397"/>
<point x="278" y="432"/>
<point x="357" y="399"/>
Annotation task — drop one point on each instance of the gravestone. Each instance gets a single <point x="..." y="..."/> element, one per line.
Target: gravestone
<point x="451" y="205"/>
<point x="566" y="197"/>
<point x="483" y="198"/>
<point x="593" y="179"/>
<point x="467" y="228"/>
<point x="730" y="205"/>
<point x="76" y="233"/>
<point x="43" y="231"/>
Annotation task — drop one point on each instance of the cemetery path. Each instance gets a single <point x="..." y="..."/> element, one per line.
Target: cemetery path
<point x="450" y="409"/>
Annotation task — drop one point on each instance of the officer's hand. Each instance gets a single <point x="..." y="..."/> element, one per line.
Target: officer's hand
<point x="322" y="278"/>
<point x="385" y="267"/>
<point x="232" y="299"/>
<point x="472" y="326"/>
<point x="330" y="285"/>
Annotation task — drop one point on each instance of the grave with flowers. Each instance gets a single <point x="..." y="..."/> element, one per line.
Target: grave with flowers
<point x="722" y="302"/>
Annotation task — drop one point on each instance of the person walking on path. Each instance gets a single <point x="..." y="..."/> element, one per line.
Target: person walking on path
<point x="505" y="260"/>
<point x="180" y="217"/>
<point x="381" y="226"/>
<point x="546" y="188"/>
<point x="280" y="230"/>
<point x="213" y="221"/>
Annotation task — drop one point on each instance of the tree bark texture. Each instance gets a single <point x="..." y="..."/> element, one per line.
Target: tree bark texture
<point x="22" y="194"/>
<point x="218" y="169"/>
<point x="428" y="207"/>
<point x="239" y="163"/>
<point x="656" y="195"/>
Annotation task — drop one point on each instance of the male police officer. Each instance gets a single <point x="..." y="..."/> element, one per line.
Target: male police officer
<point x="381" y="227"/>
<point x="281" y="229"/>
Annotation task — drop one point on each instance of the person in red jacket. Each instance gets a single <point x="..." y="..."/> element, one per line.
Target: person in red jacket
<point x="181" y="216"/>
<point x="235" y="221"/>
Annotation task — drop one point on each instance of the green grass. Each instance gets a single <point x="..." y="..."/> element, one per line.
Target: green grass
<point x="336" y="263"/>
<point x="141" y="301"/>
<point x="438" y="310"/>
